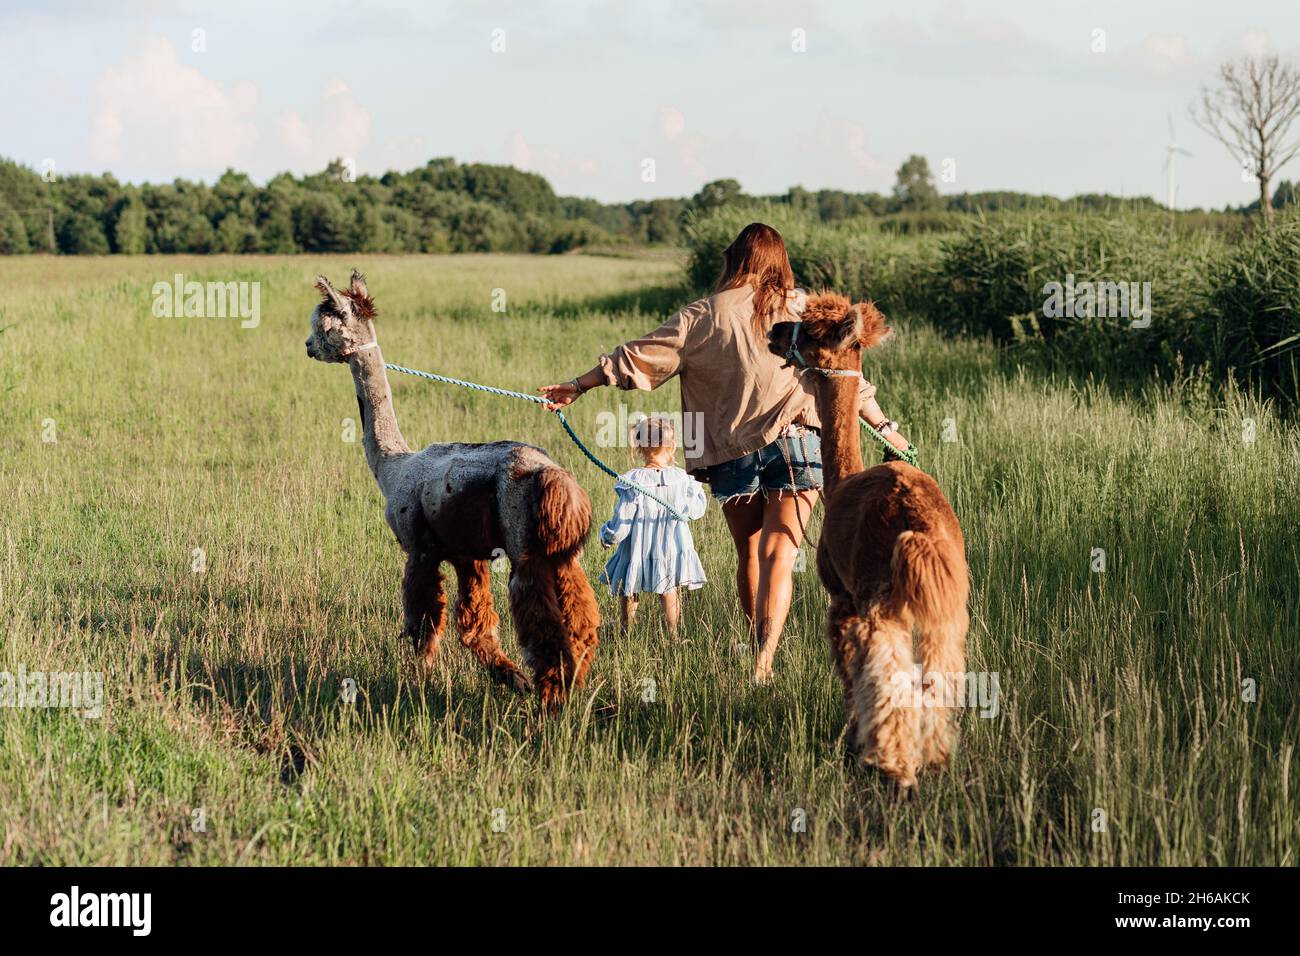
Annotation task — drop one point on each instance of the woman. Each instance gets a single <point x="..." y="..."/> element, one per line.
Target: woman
<point x="760" y="451"/>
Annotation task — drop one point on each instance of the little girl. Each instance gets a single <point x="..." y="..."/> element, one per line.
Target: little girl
<point x="654" y="551"/>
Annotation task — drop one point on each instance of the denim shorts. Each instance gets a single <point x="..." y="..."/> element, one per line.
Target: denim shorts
<point x="798" y="449"/>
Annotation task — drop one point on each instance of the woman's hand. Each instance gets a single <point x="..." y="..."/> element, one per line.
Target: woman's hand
<point x="898" y="441"/>
<point x="874" y="416"/>
<point x="566" y="393"/>
<point x="557" y="396"/>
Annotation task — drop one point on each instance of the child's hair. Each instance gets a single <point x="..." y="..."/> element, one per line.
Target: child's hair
<point x="652" y="433"/>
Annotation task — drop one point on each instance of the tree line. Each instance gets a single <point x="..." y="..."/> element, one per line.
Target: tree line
<point x="443" y="206"/>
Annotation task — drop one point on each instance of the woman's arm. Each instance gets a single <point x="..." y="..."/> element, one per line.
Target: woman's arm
<point x="873" y="415"/>
<point x="644" y="363"/>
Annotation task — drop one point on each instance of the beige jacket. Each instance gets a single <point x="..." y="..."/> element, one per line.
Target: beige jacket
<point x="735" y="394"/>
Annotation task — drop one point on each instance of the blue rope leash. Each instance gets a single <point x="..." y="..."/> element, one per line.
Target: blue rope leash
<point x="538" y="400"/>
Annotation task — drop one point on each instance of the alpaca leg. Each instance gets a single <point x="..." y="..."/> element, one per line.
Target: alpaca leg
<point x="884" y="699"/>
<point x="943" y="661"/>
<point x="581" y="618"/>
<point x="539" y="622"/>
<point x="842" y="629"/>
<point x="424" y="605"/>
<point x="479" y="626"/>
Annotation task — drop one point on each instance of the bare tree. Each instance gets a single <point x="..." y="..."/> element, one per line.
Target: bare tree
<point x="1251" y="113"/>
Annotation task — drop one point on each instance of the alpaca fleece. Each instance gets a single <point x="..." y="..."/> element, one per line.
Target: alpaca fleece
<point x="465" y="504"/>
<point x="892" y="559"/>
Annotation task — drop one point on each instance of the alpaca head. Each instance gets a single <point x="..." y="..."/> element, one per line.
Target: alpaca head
<point x="831" y="334"/>
<point x="343" y="322"/>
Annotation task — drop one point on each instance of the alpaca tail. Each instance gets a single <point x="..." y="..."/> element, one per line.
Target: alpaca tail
<point x="930" y="585"/>
<point x="563" y="512"/>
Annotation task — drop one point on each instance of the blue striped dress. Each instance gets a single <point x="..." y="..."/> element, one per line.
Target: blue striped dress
<point x="653" y="551"/>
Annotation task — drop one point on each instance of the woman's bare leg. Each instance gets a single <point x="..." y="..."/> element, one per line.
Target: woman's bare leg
<point x="745" y="521"/>
<point x="784" y="519"/>
<point x="672" y="611"/>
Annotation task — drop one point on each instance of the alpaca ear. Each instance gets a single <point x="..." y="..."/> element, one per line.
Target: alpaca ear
<point x="359" y="285"/>
<point x="849" y="328"/>
<point x="332" y="295"/>
<point x="362" y="305"/>
<point x="872" y="330"/>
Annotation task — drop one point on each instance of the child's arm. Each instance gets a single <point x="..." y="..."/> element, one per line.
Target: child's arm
<point x="620" y="525"/>
<point x="697" y="500"/>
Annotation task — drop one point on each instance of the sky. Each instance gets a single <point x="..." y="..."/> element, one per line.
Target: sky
<point x="632" y="100"/>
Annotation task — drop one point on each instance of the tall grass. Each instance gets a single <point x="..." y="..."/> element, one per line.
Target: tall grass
<point x="1255" y="318"/>
<point x="994" y="277"/>
<point x="1228" y="307"/>
<point x="856" y="256"/>
<point x="1126" y="732"/>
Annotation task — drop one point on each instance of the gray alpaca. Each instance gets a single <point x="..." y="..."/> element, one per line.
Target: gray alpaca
<point x="459" y="503"/>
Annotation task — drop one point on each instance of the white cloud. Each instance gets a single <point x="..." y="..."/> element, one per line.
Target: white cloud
<point x="156" y="111"/>
<point x="855" y="144"/>
<point x="1160" y="59"/>
<point x="981" y="30"/>
<point x="521" y="154"/>
<point x="1255" y="42"/>
<point x="956" y="42"/>
<point x="898" y="34"/>
<point x="158" y="114"/>
<point x="1166" y="53"/>
<point x="404" y="152"/>
<point x="843" y="151"/>
<point x="672" y="122"/>
<point x="338" y="126"/>
<point x="565" y="171"/>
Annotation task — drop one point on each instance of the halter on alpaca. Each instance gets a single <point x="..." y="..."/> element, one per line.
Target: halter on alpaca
<point x="794" y="357"/>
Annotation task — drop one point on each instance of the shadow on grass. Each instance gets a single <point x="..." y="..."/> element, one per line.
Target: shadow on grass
<point x="287" y="711"/>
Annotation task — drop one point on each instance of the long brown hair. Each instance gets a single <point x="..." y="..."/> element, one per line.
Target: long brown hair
<point x="757" y="257"/>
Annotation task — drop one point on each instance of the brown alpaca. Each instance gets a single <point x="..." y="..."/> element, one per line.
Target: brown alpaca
<point x="891" y="556"/>
<point x="461" y="503"/>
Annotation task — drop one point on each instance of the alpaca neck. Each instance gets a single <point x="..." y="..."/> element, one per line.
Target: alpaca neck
<point x="837" y="407"/>
<point x="382" y="439"/>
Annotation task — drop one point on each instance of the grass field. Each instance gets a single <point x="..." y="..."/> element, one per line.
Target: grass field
<point x="1148" y="712"/>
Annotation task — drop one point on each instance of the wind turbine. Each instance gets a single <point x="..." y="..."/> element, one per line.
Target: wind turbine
<point x="1172" y="150"/>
